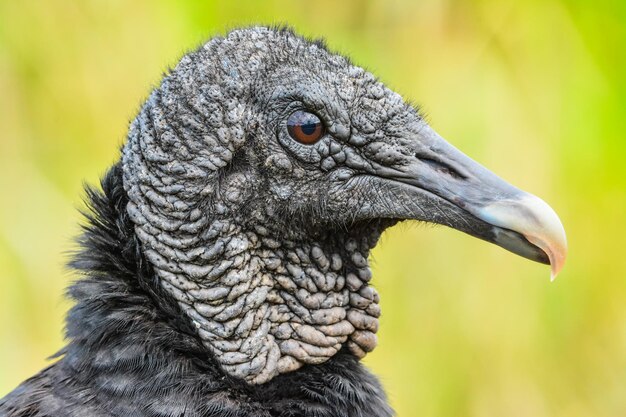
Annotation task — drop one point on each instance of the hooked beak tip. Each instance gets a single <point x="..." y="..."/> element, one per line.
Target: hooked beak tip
<point x="534" y="219"/>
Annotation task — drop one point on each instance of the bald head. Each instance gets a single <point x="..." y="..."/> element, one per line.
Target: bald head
<point x="260" y="174"/>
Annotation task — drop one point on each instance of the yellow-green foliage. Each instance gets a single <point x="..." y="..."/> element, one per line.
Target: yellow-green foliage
<point x="535" y="90"/>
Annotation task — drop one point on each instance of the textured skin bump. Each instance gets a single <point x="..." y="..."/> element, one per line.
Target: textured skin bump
<point x="265" y="298"/>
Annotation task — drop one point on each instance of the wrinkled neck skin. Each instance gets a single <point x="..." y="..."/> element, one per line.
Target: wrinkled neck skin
<point x="265" y="306"/>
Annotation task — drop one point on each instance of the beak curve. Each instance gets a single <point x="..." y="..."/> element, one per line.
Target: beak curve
<point x="476" y="201"/>
<point x="535" y="220"/>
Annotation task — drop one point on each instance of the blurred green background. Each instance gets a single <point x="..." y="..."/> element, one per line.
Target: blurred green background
<point x="534" y="90"/>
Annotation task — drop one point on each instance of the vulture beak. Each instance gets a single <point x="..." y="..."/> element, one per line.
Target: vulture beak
<point x="533" y="219"/>
<point x="476" y="201"/>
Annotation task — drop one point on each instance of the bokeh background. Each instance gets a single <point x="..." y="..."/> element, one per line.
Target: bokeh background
<point x="535" y="90"/>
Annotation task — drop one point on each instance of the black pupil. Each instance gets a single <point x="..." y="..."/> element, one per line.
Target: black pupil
<point x="308" y="128"/>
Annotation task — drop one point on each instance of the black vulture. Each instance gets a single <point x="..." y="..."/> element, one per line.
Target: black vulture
<point x="224" y="263"/>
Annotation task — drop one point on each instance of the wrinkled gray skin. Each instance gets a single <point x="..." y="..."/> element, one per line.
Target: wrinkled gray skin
<point x="264" y="241"/>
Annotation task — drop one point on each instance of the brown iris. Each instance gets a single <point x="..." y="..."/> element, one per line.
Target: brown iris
<point x="305" y="127"/>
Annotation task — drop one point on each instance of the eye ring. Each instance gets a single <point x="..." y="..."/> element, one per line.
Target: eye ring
<point x="305" y="127"/>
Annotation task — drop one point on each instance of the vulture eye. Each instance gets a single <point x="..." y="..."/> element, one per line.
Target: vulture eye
<point x="305" y="127"/>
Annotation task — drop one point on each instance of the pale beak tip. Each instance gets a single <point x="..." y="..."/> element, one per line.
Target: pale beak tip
<point x="544" y="229"/>
<point x="557" y="261"/>
<point x="534" y="219"/>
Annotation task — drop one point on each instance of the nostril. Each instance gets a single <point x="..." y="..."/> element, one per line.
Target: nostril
<point x="442" y="167"/>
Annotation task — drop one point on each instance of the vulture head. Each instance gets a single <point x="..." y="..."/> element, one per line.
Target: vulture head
<point x="260" y="174"/>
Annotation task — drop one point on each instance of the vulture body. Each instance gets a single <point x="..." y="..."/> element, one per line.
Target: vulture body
<point x="224" y="262"/>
